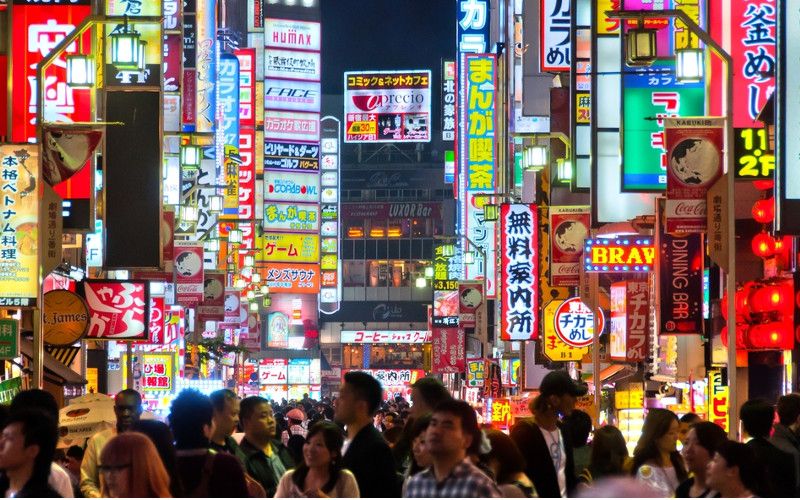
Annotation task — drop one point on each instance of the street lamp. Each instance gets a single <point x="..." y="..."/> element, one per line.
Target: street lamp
<point x="80" y="71"/>
<point x="421" y="282"/>
<point x="125" y="47"/>
<point x="190" y="156"/>
<point x="215" y="202"/>
<point x="564" y="172"/>
<point x="249" y="261"/>
<point x="235" y="236"/>
<point x="429" y="272"/>
<point x="640" y="43"/>
<point x="689" y="64"/>
<point x="188" y="213"/>
<point x="448" y="250"/>
<point x="535" y="158"/>
<point x="490" y="213"/>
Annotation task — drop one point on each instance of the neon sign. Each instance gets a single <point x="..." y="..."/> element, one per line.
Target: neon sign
<point x="621" y="255"/>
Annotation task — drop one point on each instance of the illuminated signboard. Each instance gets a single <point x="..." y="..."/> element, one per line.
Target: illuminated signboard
<point x="292" y="278"/>
<point x="289" y="247"/>
<point x="331" y="280"/>
<point x="624" y="255"/>
<point x="553" y="345"/>
<point x="392" y="378"/>
<point x="292" y="64"/>
<point x="292" y="216"/>
<point x="150" y="33"/>
<point x="118" y="310"/>
<point x="290" y="156"/>
<point x="448" y="100"/>
<point x="291" y="125"/>
<point x="387" y="106"/>
<point x="554" y="43"/>
<point x="292" y="95"/>
<point x="718" y="402"/>
<point x="519" y="271"/>
<point x="158" y="371"/>
<point x="291" y="186"/>
<point x="272" y="371"/>
<point x="480" y="127"/>
<point x="629" y="321"/>
<point x="385" y="336"/>
<point x="752" y="154"/>
<point x="574" y="323"/>
<point x="787" y="101"/>
<point x="290" y="34"/>
<point x="752" y="33"/>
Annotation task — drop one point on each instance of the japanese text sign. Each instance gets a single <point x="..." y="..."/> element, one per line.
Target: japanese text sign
<point x="622" y="255"/>
<point x="519" y="271"/>
<point x="286" y="247"/>
<point x="273" y="371"/>
<point x="156" y="324"/>
<point x="448" y="350"/>
<point x="680" y="272"/>
<point x="291" y="216"/>
<point x="118" y="310"/>
<point x="570" y="226"/>
<point x="479" y="129"/>
<point x="553" y="346"/>
<point x="291" y="186"/>
<point x="292" y="64"/>
<point x="574" y="323"/>
<point x="753" y="38"/>
<point x="385" y="336"/>
<point x="158" y="372"/>
<point x="448" y="100"/>
<point x="476" y="372"/>
<point x="292" y="278"/>
<point x="718" y="403"/>
<point x="9" y="338"/>
<point x="150" y="33"/>
<point x="482" y="234"/>
<point x="629" y="321"/>
<point x="393" y="378"/>
<point x="554" y="44"/>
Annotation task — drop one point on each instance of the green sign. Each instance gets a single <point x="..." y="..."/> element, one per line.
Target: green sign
<point x="648" y="97"/>
<point x="9" y="339"/>
<point x="10" y="388"/>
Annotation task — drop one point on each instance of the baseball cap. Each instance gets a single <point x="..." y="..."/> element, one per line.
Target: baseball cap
<point x="558" y="382"/>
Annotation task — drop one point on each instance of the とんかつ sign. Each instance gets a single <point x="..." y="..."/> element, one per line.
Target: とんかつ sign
<point x="622" y="255"/>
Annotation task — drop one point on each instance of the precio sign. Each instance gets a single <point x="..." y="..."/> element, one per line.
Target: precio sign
<point x="622" y="255"/>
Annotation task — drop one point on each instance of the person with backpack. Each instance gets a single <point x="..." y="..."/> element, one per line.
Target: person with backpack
<point x="202" y="471"/>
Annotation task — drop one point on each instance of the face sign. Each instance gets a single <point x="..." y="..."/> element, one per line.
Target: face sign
<point x="669" y="441"/>
<point x="212" y="289"/>
<point x="128" y="411"/>
<point x="13" y="452"/>
<point x="316" y="454"/>
<point x="188" y="264"/>
<point x="261" y="424"/>
<point x="696" y="456"/>
<point x="445" y="437"/>
<point x="225" y="421"/>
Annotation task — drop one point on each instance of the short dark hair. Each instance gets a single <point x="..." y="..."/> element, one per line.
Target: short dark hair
<point x="709" y="435"/>
<point x="579" y="424"/>
<point x="365" y="388"/>
<point x="190" y="411"/>
<point x="507" y="454"/>
<point x="469" y="422"/>
<point x="35" y="399"/>
<point x="751" y="471"/>
<point x="75" y="452"/>
<point x="788" y="409"/>
<point x="690" y="418"/>
<point x="431" y="390"/>
<point x="757" y="416"/>
<point x="219" y="397"/>
<point x="132" y="392"/>
<point x="248" y="406"/>
<point x="39" y="428"/>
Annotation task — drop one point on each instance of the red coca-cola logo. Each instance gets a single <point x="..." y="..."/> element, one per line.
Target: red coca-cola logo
<point x="370" y="102"/>
<point x="695" y="209"/>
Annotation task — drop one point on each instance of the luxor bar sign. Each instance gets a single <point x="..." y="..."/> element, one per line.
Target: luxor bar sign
<point x="620" y="255"/>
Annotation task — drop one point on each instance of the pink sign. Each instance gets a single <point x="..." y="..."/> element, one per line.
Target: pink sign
<point x="188" y="273"/>
<point x="156" y="325"/>
<point x="449" y="350"/>
<point x="118" y="310"/>
<point x="569" y="227"/>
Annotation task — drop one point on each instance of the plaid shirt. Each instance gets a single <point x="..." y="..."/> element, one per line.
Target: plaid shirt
<point x="464" y="481"/>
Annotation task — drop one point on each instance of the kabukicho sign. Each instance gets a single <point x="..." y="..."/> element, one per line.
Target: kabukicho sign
<point x="621" y="255"/>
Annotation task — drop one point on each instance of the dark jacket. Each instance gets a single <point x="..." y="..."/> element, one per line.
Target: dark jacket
<point x="34" y="488"/>
<point x="370" y="459"/>
<point x="780" y="480"/>
<point x="538" y="464"/>
<point x="258" y="465"/>
<point x="788" y="442"/>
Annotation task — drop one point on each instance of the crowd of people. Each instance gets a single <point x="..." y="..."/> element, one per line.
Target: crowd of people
<point x="361" y="446"/>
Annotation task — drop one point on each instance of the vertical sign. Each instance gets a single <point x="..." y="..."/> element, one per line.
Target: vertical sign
<point x="227" y="131"/>
<point x="718" y="404"/>
<point x="445" y="288"/>
<point x="189" y="273"/>
<point x="9" y="339"/>
<point x="570" y="227"/>
<point x="519" y="271"/>
<point x="206" y="66"/>
<point x="448" y="350"/>
<point x="680" y="271"/>
<point x="448" y="100"/>
<point x="752" y="34"/>
<point x="694" y="151"/>
<point x="554" y="43"/>
<point x="189" y="84"/>
<point x="150" y="33"/>
<point x="330" y="229"/>
<point x="629" y="321"/>
<point x="787" y="177"/>
<point x="247" y="144"/>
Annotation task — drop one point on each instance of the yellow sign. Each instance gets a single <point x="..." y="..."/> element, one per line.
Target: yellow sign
<point x="152" y="371"/>
<point x="91" y="380"/>
<point x="358" y="128"/>
<point x="554" y="348"/>
<point x="19" y="227"/>
<point x="287" y="247"/>
<point x="632" y="399"/>
<point x="231" y="197"/>
<point x="605" y="24"/>
<point x="718" y="401"/>
<point x="583" y="107"/>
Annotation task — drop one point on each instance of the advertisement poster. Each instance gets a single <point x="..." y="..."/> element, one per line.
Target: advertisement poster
<point x="448" y="350"/>
<point x="291" y="278"/>
<point x="554" y="44"/>
<point x="570" y="227"/>
<point x="387" y="106"/>
<point x="291" y="186"/>
<point x="470" y="298"/>
<point x="277" y="330"/>
<point x="289" y="247"/>
<point x="629" y="321"/>
<point x="519" y="271"/>
<point x="188" y="273"/>
<point x="118" y="310"/>
<point x="681" y="283"/>
<point x="291" y="216"/>
<point x="212" y="307"/>
<point x="694" y="150"/>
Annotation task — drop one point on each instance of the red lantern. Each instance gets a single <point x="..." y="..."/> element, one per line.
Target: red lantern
<point x="764" y="210"/>
<point x="741" y="333"/>
<point x="772" y="335"/>
<point x="763" y="185"/>
<point x="763" y="245"/>
<point x="771" y="298"/>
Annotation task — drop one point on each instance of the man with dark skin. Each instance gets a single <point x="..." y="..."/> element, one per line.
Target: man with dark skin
<point x="128" y="410"/>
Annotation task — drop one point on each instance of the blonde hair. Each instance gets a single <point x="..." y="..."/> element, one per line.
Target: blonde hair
<point x="147" y="478"/>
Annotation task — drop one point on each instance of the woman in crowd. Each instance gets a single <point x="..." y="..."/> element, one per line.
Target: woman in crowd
<point x="420" y="458"/>
<point x="508" y="466"/>
<point x="320" y="474"/>
<point x="734" y="471"/>
<point x="608" y="458"/>
<point x="700" y="444"/>
<point x="130" y="467"/>
<point x="161" y="436"/>
<point x="656" y="461"/>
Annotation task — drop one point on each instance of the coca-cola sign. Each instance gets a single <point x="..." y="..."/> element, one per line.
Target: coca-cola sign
<point x="686" y="208"/>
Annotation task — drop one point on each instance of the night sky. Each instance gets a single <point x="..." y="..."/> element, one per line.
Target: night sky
<point x="362" y="35"/>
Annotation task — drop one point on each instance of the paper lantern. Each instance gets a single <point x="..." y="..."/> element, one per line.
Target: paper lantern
<point x="764" y="210"/>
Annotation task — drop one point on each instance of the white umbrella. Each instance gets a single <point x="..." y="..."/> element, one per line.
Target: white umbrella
<point x="84" y="417"/>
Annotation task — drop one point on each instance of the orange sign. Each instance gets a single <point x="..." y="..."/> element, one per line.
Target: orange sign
<point x="499" y="412"/>
<point x="65" y="317"/>
<point x="622" y="255"/>
<point x="291" y="278"/>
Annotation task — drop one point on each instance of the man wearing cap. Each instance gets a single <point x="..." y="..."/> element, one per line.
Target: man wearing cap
<point x="547" y="450"/>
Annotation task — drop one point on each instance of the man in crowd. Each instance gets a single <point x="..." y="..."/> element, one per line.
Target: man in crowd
<point x="225" y="420"/>
<point x="27" y="445"/>
<point x="128" y="410"/>
<point x="202" y="471"/>
<point x="72" y="464"/>
<point x="365" y="452"/>
<point x="548" y="450"/>
<point x="266" y="459"/>
<point x="787" y="433"/>
<point x="757" y="416"/>
<point x="452" y="434"/>
<point x="685" y="423"/>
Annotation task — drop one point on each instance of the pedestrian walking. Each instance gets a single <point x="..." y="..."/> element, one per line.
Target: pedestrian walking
<point x="453" y="432"/>
<point x="508" y="466"/>
<point x="579" y="426"/>
<point x="702" y="441"/>
<point x="426" y="393"/>
<point x="202" y="471"/>
<point x="132" y="468"/>
<point x="757" y="416"/>
<point x="546" y="448"/>
<point x="27" y="446"/>
<point x="72" y="464"/>
<point x="608" y="459"/>
<point x="365" y="452"/>
<point x="786" y="433"/>
<point x="656" y="461"/>
<point x="128" y="410"/>
<point x="225" y="419"/>
<point x="320" y="474"/>
<point x="420" y="455"/>
<point x="734" y="471"/>
<point x="266" y="459"/>
<point x="160" y="435"/>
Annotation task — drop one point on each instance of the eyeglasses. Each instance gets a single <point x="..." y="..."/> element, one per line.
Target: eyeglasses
<point x="108" y="469"/>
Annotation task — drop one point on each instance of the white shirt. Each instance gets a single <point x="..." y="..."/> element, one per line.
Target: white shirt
<point x="59" y="481"/>
<point x="554" y="441"/>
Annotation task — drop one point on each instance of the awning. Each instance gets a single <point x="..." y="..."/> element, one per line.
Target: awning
<point x="59" y="373"/>
<point x="610" y="371"/>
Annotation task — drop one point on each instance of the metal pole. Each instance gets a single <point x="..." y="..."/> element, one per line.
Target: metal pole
<point x="730" y="284"/>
